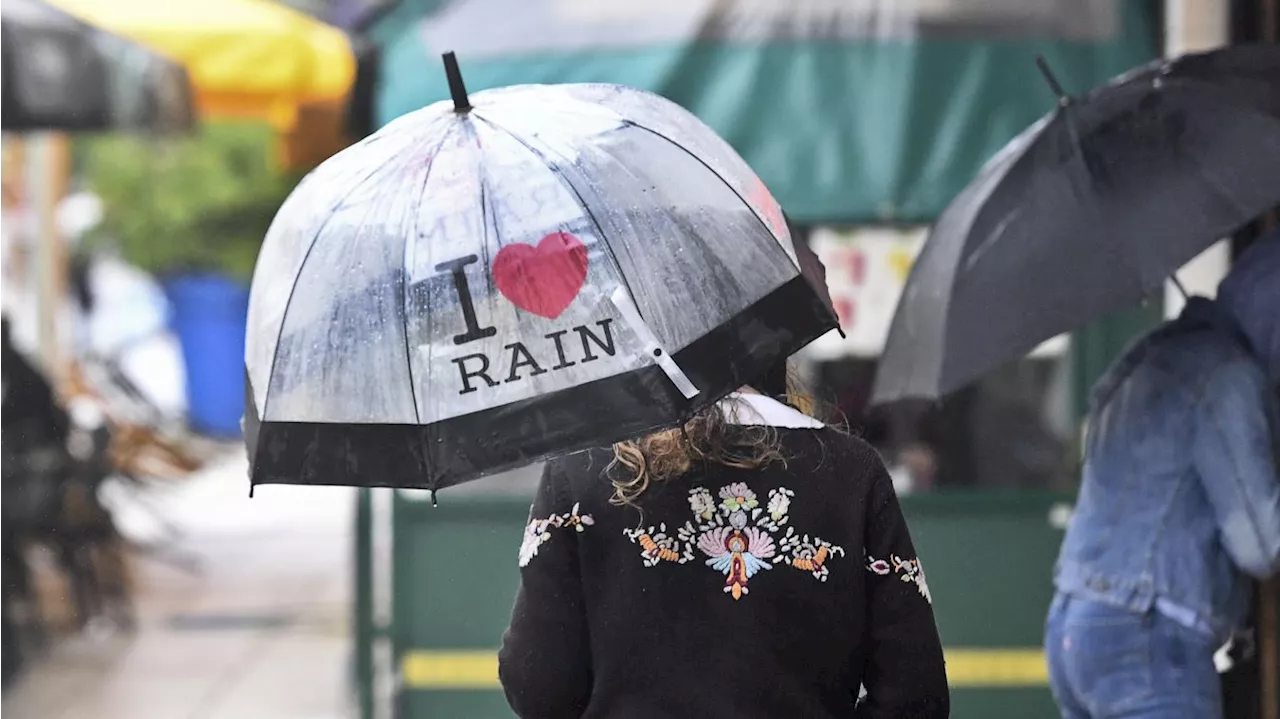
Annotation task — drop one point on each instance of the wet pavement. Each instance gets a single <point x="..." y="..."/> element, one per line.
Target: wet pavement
<point x="257" y="628"/>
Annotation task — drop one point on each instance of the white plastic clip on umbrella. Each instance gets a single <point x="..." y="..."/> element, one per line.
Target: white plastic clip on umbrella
<point x="527" y="272"/>
<point x="650" y="344"/>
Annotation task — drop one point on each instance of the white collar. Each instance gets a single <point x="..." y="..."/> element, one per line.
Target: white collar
<point x="757" y="409"/>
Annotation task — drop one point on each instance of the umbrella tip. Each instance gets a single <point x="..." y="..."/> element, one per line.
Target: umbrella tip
<point x="1052" y="81"/>
<point x="457" y="90"/>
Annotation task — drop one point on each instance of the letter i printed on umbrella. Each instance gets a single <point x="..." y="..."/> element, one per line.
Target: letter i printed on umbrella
<point x="504" y="277"/>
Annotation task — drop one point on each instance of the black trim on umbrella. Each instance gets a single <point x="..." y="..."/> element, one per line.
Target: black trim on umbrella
<point x="520" y="433"/>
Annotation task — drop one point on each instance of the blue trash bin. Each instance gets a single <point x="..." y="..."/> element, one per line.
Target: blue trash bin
<point x="209" y="318"/>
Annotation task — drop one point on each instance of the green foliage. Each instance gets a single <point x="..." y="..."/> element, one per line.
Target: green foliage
<point x="197" y="203"/>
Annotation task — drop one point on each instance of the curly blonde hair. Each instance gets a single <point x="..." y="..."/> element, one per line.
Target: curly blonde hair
<point x="709" y="437"/>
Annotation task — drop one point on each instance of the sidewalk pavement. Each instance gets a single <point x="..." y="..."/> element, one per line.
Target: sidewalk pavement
<point x="259" y="630"/>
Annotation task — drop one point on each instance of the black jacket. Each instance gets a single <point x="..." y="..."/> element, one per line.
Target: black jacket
<point x="775" y="592"/>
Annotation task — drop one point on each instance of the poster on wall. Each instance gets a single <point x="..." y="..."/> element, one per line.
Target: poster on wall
<point x="867" y="268"/>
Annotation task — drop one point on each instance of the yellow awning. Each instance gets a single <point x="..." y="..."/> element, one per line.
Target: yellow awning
<point x="253" y="59"/>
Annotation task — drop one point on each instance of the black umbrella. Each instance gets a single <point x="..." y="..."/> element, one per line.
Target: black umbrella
<point x="1087" y="211"/>
<point x="54" y="77"/>
<point x="60" y="73"/>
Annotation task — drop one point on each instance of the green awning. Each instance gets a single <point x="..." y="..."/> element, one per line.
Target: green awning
<point x="851" y="112"/>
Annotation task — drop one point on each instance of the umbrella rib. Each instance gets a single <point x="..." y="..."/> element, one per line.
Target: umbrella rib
<point x="293" y="287"/>
<point x="712" y="170"/>
<point x="1218" y="186"/>
<point x="284" y="318"/>
<point x="404" y="292"/>
<point x="991" y="240"/>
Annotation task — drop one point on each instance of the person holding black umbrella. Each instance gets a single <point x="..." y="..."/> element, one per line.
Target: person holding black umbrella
<point x="1179" y="506"/>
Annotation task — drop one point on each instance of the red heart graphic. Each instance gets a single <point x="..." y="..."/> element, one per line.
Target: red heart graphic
<point x="545" y="279"/>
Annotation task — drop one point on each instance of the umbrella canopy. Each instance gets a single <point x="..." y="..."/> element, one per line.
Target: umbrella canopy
<point x="468" y="290"/>
<point x="63" y="74"/>
<point x="1087" y="211"/>
<point x="255" y="59"/>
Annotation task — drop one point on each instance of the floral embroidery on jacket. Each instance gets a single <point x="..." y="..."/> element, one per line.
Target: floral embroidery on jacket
<point x="908" y="570"/>
<point x="538" y="531"/>
<point x="737" y="536"/>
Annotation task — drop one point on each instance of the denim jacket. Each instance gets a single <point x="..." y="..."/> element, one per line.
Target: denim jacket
<point x="1180" y="499"/>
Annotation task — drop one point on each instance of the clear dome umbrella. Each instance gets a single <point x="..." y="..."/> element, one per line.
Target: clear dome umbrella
<point x="532" y="271"/>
